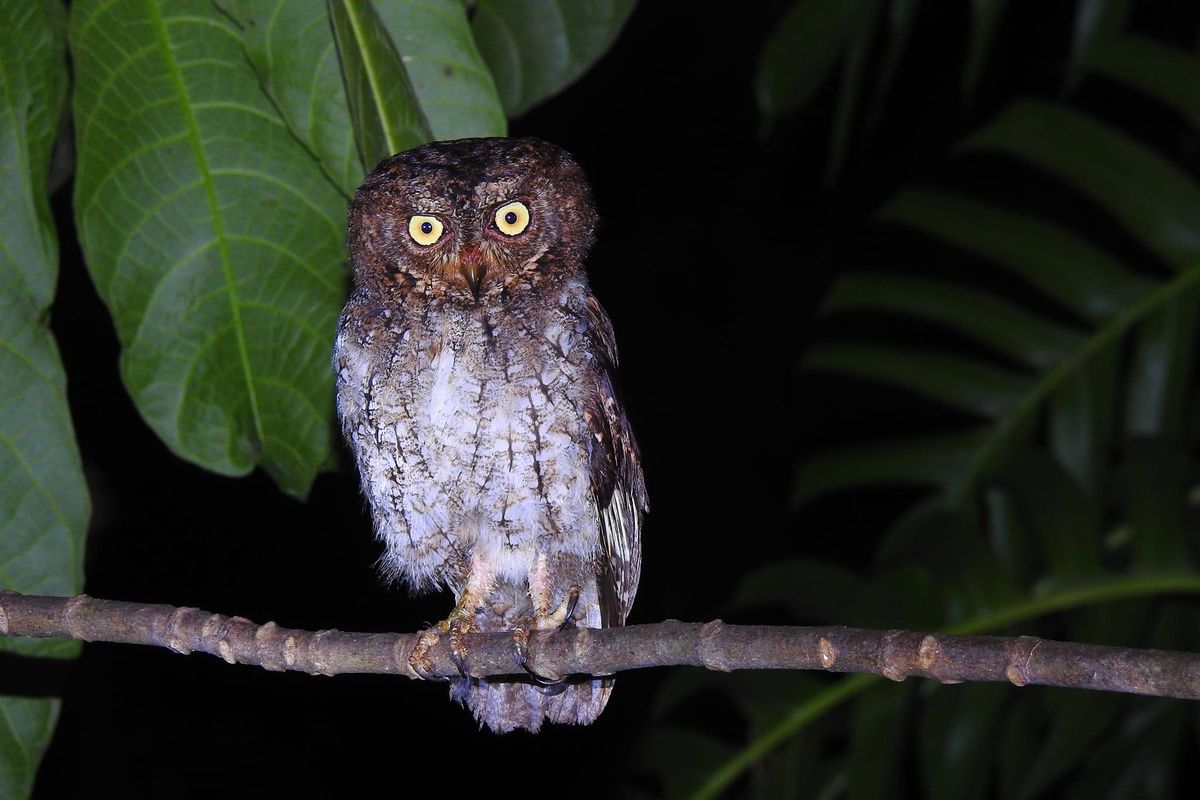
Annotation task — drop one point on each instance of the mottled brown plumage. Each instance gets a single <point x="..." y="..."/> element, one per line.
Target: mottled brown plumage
<point x="476" y="389"/>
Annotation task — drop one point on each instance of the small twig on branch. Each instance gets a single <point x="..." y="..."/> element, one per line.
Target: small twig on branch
<point x="1021" y="660"/>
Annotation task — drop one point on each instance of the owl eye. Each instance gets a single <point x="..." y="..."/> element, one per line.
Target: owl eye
<point x="512" y="218"/>
<point x="424" y="229"/>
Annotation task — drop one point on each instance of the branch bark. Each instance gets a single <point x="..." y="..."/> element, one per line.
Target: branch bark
<point x="1021" y="660"/>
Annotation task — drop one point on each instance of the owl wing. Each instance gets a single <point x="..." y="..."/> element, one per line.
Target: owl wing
<point x="617" y="482"/>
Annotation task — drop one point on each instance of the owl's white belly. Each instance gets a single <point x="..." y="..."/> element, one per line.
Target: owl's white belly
<point x="483" y="456"/>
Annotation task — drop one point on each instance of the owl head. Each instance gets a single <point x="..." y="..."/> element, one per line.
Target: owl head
<point x="471" y="219"/>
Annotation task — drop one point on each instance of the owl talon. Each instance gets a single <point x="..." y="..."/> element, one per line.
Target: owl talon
<point x="418" y="659"/>
<point x="520" y="655"/>
<point x="456" y="626"/>
<point x="459" y="628"/>
<point x="568" y="617"/>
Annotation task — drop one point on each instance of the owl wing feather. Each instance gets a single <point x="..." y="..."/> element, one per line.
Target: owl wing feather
<point x="618" y="485"/>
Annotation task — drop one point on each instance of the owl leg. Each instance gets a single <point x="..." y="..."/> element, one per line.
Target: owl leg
<point x="545" y="616"/>
<point x="458" y="624"/>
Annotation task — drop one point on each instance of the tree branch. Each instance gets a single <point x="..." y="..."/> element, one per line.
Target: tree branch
<point x="1021" y="660"/>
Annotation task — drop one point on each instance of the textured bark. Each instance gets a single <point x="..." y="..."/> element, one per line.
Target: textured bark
<point x="1021" y="660"/>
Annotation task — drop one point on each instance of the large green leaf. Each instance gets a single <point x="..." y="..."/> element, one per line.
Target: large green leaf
<point x="536" y="48"/>
<point x="1047" y="257"/>
<point x="1076" y="376"/>
<point x="382" y="103"/>
<point x="211" y="234"/>
<point x="957" y="382"/>
<point x="453" y="85"/>
<point x="291" y="45"/>
<point x="994" y="323"/>
<point x="942" y="459"/>
<point x="1151" y="197"/>
<point x="43" y="500"/>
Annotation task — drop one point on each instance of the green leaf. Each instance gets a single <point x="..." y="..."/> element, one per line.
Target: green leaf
<point x="383" y="105"/>
<point x="211" y="234"/>
<point x="1151" y="197"/>
<point x="1062" y="266"/>
<point x="1050" y="259"/>
<point x="1097" y="23"/>
<point x="291" y="45"/>
<point x="951" y="380"/>
<point x="536" y="48"/>
<point x="1168" y="74"/>
<point x="1008" y="536"/>
<point x="977" y="314"/>
<point x="44" y="506"/>
<point x="924" y="460"/>
<point x="448" y="74"/>
<point x="985" y="19"/>
<point x="1163" y="366"/>
<point x="959" y="577"/>
<point x="802" y="50"/>
<point x="1066" y="523"/>
<point x="1082" y="418"/>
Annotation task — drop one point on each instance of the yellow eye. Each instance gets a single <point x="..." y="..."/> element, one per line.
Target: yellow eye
<point x="512" y="218"/>
<point x="424" y="229"/>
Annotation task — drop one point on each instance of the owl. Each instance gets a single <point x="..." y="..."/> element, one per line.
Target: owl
<point x="476" y="389"/>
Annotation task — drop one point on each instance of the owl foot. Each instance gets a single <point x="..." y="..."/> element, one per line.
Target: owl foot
<point x="457" y="626"/>
<point x="558" y="619"/>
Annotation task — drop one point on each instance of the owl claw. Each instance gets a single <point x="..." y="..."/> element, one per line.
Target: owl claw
<point x="457" y="627"/>
<point x="418" y="659"/>
<point x="568" y="617"/>
<point x="520" y="636"/>
<point x="559" y="619"/>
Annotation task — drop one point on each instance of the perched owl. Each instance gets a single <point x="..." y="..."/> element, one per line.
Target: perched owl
<point x="475" y="387"/>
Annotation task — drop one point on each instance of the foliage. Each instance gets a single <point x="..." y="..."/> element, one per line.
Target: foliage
<point x="43" y="503"/>
<point x="1065" y="360"/>
<point x="217" y="143"/>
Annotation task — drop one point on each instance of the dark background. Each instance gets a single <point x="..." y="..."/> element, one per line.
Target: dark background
<point x="717" y="243"/>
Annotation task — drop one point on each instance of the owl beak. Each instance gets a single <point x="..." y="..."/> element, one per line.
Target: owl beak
<point x="472" y="269"/>
<point x="473" y="275"/>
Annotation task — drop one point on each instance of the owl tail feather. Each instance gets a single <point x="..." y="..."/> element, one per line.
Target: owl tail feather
<point x="512" y="702"/>
<point x="508" y="704"/>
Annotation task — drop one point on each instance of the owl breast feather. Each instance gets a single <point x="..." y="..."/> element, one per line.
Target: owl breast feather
<point x="470" y="438"/>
